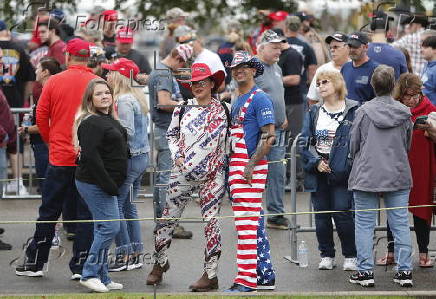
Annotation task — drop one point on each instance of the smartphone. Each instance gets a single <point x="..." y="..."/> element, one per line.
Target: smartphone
<point x="420" y="120"/>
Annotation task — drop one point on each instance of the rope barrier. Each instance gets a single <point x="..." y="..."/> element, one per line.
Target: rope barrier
<point x="284" y="161"/>
<point x="201" y="218"/>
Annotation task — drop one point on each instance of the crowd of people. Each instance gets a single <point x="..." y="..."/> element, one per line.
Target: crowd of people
<point x="364" y="110"/>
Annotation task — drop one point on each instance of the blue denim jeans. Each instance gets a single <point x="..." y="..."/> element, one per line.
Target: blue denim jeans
<point x="333" y="198"/>
<point x="40" y="152"/>
<point x="275" y="186"/>
<point x="58" y="186"/>
<point x="163" y="162"/>
<point x="128" y="240"/>
<point x="102" y="206"/>
<point x="398" y="221"/>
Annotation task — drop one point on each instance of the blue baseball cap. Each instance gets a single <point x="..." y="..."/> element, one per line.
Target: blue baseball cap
<point x="3" y="26"/>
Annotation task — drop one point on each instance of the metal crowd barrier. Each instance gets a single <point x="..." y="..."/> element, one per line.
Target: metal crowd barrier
<point x="29" y="166"/>
<point x="295" y="228"/>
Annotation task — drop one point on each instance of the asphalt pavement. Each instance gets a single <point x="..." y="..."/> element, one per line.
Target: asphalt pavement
<point x="186" y="258"/>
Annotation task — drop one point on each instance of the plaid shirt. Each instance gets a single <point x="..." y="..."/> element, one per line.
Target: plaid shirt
<point x="412" y="42"/>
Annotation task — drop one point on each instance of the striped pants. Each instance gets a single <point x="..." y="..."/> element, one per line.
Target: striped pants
<point x="253" y="252"/>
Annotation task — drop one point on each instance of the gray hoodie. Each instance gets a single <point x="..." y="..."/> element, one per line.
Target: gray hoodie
<point x="380" y="139"/>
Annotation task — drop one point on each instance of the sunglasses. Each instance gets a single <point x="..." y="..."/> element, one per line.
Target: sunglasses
<point x="202" y="83"/>
<point x="336" y="47"/>
<point x="322" y="82"/>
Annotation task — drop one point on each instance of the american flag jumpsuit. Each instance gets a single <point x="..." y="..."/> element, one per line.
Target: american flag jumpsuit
<point x="253" y="252"/>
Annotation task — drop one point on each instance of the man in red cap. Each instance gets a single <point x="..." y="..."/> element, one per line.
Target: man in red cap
<point x="278" y="19"/>
<point x="197" y="138"/>
<point x="110" y="17"/>
<point x="57" y="106"/>
<point x="123" y="48"/>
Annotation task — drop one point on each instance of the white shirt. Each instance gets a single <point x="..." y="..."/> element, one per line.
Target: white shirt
<point x="326" y="126"/>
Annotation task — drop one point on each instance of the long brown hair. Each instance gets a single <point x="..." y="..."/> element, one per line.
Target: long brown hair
<point x="87" y="107"/>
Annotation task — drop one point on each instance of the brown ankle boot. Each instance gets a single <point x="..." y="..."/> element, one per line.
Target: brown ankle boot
<point x="155" y="276"/>
<point x="204" y="284"/>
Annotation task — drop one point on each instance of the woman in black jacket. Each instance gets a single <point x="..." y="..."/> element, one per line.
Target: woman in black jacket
<point x="102" y="168"/>
<point x="324" y="148"/>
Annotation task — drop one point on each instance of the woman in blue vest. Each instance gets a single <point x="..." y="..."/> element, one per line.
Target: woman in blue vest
<point x="324" y="146"/>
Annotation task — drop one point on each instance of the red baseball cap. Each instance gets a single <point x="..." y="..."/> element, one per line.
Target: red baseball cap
<point x="78" y="47"/>
<point x="201" y="71"/>
<point x="125" y="35"/>
<point x="278" y="15"/>
<point x="110" y="15"/>
<point x="124" y="66"/>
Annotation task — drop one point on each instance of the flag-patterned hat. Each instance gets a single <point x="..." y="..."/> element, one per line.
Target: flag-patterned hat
<point x="243" y="57"/>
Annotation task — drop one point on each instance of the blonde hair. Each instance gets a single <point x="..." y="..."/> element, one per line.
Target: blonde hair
<point x="123" y="85"/>
<point x="337" y="81"/>
<point x="87" y="107"/>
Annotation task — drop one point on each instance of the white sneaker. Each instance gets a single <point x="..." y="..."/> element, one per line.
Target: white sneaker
<point x="95" y="285"/>
<point x="76" y="276"/>
<point x="327" y="263"/>
<point x="12" y="187"/>
<point x="23" y="190"/>
<point x="114" y="286"/>
<point x="350" y="264"/>
<point x="56" y="242"/>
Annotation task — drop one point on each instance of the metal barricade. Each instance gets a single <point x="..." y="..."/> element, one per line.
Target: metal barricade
<point x="295" y="228"/>
<point x="30" y="166"/>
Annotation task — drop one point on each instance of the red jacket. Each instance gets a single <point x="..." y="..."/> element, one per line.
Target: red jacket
<point x="60" y="99"/>
<point x="422" y="159"/>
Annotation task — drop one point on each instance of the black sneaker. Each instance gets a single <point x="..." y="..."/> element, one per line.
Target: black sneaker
<point x="28" y="270"/>
<point x="71" y="236"/>
<point x="118" y="265"/>
<point x="5" y="246"/>
<point x="268" y="286"/>
<point x="364" y="278"/>
<point x="404" y="278"/>
<point x="278" y="222"/>
<point x="134" y="263"/>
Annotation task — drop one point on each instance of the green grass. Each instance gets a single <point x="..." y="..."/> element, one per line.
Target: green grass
<point x="159" y="296"/>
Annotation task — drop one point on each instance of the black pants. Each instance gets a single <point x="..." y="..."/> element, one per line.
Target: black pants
<point x="422" y="231"/>
<point x="59" y="185"/>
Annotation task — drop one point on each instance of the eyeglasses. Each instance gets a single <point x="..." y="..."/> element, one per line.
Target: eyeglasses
<point x="241" y="67"/>
<point x="202" y="83"/>
<point x="336" y="47"/>
<point x="322" y="82"/>
<point x="411" y="97"/>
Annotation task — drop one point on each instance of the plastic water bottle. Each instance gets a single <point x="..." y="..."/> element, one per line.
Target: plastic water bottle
<point x="303" y="258"/>
<point x="27" y="120"/>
